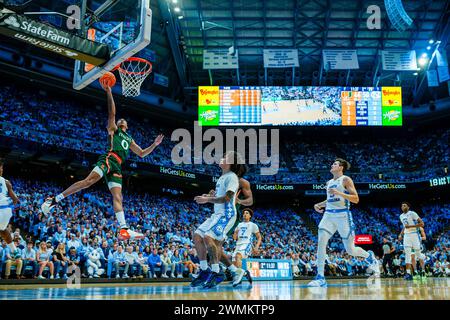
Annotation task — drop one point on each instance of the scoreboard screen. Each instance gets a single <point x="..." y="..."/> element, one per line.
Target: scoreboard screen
<point x="268" y="269"/>
<point x="300" y="106"/>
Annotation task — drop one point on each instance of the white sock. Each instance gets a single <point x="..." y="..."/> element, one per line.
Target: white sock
<point x="203" y="265"/>
<point x="215" y="268"/>
<point x="408" y="271"/>
<point x="120" y="216"/>
<point x="12" y="247"/>
<point x="59" y="197"/>
<point x="232" y="268"/>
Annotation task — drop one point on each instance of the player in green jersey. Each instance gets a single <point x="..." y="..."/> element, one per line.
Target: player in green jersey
<point x="109" y="166"/>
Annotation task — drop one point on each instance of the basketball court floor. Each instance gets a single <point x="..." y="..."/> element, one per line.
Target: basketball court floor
<point x="342" y="289"/>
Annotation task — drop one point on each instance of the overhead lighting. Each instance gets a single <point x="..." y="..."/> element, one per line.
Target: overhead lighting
<point x="415" y="74"/>
<point x="424" y="55"/>
<point x="431" y="41"/>
<point x="428" y="48"/>
<point x="423" y="61"/>
<point x="174" y="1"/>
<point x="177" y="9"/>
<point x="180" y="17"/>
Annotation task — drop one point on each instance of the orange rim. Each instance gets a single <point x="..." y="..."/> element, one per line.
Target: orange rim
<point x="133" y="72"/>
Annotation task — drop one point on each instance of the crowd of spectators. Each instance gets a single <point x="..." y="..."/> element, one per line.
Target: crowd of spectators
<point x="35" y="116"/>
<point x="82" y="232"/>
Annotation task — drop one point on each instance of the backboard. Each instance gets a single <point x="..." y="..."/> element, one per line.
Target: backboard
<point x="124" y="25"/>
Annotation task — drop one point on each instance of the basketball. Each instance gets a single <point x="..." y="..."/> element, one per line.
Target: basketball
<point x="108" y="80"/>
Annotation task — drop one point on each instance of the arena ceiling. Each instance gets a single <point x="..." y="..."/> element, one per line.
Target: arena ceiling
<point x="310" y="26"/>
<point x="179" y="38"/>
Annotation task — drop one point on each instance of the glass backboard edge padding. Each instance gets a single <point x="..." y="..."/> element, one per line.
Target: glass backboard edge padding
<point x="142" y="41"/>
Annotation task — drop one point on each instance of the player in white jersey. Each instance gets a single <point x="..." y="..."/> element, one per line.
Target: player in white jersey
<point x="411" y="239"/>
<point x="7" y="199"/>
<point x="209" y="236"/>
<point x="244" y="235"/>
<point x="420" y="255"/>
<point x="337" y="217"/>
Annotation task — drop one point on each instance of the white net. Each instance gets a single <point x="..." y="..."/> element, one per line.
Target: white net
<point x="133" y="73"/>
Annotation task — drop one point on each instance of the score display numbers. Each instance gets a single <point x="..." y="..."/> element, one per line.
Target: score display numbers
<point x="300" y="106"/>
<point x="268" y="269"/>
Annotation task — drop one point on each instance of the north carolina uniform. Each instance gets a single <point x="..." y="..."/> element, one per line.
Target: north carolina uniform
<point x="337" y="215"/>
<point x="224" y="217"/>
<point x="244" y="244"/>
<point x="110" y="165"/>
<point x="6" y="204"/>
<point x="411" y="237"/>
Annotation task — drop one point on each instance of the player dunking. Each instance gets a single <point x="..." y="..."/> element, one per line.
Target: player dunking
<point x="337" y="217"/>
<point x="7" y="199"/>
<point x="109" y="166"/>
<point x="411" y="240"/>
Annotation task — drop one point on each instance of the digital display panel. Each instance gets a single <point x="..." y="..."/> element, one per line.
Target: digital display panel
<point x="268" y="269"/>
<point x="300" y="106"/>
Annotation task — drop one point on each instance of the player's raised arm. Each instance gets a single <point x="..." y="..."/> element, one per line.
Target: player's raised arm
<point x="145" y="152"/>
<point x="11" y="193"/>
<point x="112" y="127"/>
<point x="352" y="195"/>
<point x="247" y="192"/>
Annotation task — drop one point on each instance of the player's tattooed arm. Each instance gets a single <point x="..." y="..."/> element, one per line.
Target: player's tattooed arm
<point x="319" y="206"/>
<point x="11" y="192"/>
<point x="145" y="152"/>
<point x="247" y="192"/>
<point x="226" y="198"/>
<point x="352" y="195"/>
<point x="258" y="243"/>
<point x="112" y="127"/>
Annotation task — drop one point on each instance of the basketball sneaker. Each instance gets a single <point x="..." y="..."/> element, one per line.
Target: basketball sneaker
<point x="237" y="277"/>
<point x="374" y="265"/>
<point x="127" y="234"/>
<point x="48" y="205"/>
<point x="214" y="279"/>
<point x="408" y="277"/>
<point x="319" y="281"/>
<point x="249" y="277"/>
<point x="201" y="278"/>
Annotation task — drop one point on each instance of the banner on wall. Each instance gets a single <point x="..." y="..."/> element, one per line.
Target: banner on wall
<point x="280" y="58"/>
<point x="340" y="59"/>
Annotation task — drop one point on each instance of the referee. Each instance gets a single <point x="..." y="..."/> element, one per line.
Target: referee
<point x="388" y="250"/>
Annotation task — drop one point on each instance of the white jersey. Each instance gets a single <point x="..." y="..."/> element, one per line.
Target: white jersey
<point x="5" y="200"/>
<point x="408" y="219"/>
<point x="246" y="232"/>
<point x="227" y="182"/>
<point x="335" y="202"/>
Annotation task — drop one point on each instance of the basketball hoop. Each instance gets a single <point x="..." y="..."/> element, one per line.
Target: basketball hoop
<point x="133" y="72"/>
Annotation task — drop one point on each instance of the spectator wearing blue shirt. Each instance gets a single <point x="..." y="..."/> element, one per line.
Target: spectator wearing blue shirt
<point x="154" y="260"/>
<point x="43" y="258"/>
<point x="29" y="258"/>
<point x="121" y="261"/>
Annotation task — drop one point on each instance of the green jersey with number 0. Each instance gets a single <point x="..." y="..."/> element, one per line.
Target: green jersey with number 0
<point x="119" y="143"/>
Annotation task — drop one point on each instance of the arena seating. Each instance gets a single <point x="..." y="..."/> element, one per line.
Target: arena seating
<point x="85" y="221"/>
